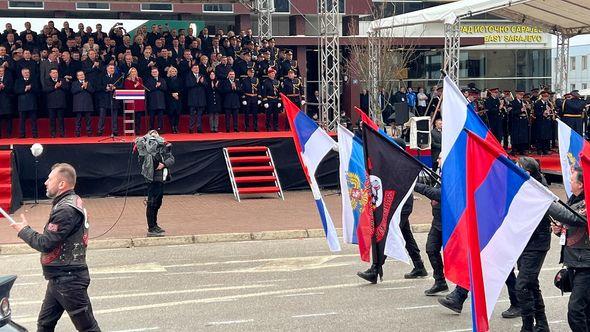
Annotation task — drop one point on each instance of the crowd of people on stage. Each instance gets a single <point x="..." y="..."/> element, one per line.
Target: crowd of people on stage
<point x="523" y="121"/>
<point x="63" y="72"/>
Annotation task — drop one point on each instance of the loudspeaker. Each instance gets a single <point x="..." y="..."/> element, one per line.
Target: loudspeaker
<point x="402" y="113"/>
<point x="420" y="133"/>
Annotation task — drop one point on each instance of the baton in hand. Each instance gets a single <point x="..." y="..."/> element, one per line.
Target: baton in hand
<point x="7" y="216"/>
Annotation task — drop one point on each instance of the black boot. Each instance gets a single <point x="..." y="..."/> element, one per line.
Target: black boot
<point x="454" y="300"/>
<point x="151" y="216"/>
<point x="439" y="286"/>
<point x="511" y="312"/>
<point x="417" y="272"/>
<point x="541" y="323"/>
<point x="527" y="324"/>
<point x="372" y="274"/>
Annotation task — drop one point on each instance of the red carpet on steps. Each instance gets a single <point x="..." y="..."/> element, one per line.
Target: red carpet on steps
<point x="5" y="180"/>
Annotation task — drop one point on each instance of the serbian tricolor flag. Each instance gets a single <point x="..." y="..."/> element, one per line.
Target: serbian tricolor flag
<point x="571" y="145"/>
<point x="391" y="174"/>
<point x="312" y="144"/>
<point x="585" y="163"/>
<point x="504" y="206"/>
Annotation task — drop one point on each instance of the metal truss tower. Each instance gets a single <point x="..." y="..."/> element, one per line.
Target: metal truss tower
<point x="264" y="9"/>
<point x="329" y="59"/>
<point x="373" y="43"/>
<point x="452" y="49"/>
<point x="563" y="50"/>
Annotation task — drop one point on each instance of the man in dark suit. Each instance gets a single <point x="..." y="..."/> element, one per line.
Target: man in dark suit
<point x="6" y="95"/>
<point x="26" y="88"/>
<point x="55" y="97"/>
<point x="231" y="100"/>
<point x="156" y="97"/>
<point x="82" y="102"/>
<point x="194" y="85"/>
<point x="435" y="143"/>
<point x="92" y="68"/>
<point x="108" y="83"/>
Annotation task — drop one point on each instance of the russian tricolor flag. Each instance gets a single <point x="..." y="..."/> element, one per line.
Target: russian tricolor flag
<point x="490" y="207"/>
<point x="312" y="144"/>
<point x="571" y="144"/>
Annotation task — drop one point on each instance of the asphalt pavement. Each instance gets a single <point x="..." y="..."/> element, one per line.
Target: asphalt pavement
<point x="280" y="285"/>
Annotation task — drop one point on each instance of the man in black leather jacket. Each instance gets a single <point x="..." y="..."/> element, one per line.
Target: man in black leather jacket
<point x="63" y="254"/>
<point x="575" y="252"/>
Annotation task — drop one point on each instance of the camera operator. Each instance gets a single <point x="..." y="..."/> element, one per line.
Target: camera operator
<point x="155" y="156"/>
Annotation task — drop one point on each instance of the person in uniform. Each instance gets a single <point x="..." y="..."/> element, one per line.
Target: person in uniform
<point x="519" y="124"/>
<point x="26" y="88"/>
<point x="55" y="97"/>
<point x="249" y="86"/>
<point x="504" y="109"/>
<point x="63" y="246"/>
<point x="194" y="85"/>
<point x="108" y="83"/>
<point x="543" y="123"/>
<point x="230" y="89"/>
<point x="292" y="87"/>
<point x="263" y="65"/>
<point x="573" y="111"/>
<point x="270" y="100"/>
<point x="530" y="262"/>
<point x="492" y="106"/>
<point x="288" y="64"/>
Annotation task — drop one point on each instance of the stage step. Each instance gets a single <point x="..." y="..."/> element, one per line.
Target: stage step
<point x="256" y="171"/>
<point x="5" y="180"/>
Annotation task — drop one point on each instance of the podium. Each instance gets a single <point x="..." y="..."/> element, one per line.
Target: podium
<point x="128" y="97"/>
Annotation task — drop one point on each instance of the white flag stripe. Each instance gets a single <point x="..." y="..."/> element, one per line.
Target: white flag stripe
<point x="395" y="245"/>
<point x="564" y="133"/>
<point x="345" y="141"/>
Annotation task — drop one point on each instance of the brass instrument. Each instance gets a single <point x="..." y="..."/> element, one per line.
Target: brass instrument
<point x="550" y="111"/>
<point x="254" y="85"/>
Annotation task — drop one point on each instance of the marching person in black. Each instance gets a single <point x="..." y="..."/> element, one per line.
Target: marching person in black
<point x="63" y="254"/>
<point x="155" y="156"/>
<point x="56" y="99"/>
<point x="270" y="100"/>
<point x="436" y="143"/>
<point x="194" y="85"/>
<point x="434" y="240"/>
<point x="572" y="113"/>
<point x="492" y="106"/>
<point x="519" y="124"/>
<point x="575" y="252"/>
<point x="543" y="123"/>
<point x="213" y="101"/>
<point x="530" y="262"/>
<point x="26" y="88"/>
<point x="249" y="86"/>
<point x="6" y="95"/>
<point x="108" y="83"/>
<point x="156" y="97"/>
<point x="174" y="100"/>
<point x="230" y="89"/>
<point x="82" y="102"/>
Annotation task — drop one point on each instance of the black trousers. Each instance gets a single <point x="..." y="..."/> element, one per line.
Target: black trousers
<point x="461" y="293"/>
<point x="23" y="118"/>
<point x="433" y="247"/>
<point x="233" y="114"/>
<point x="251" y="111"/>
<point x="88" y="117"/>
<point x="527" y="284"/>
<point x="160" y="115"/>
<point x="272" y="115"/>
<point x="411" y="245"/>
<point x="138" y="116"/>
<point x="6" y="119"/>
<point x="174" y="116"/>
<point x="155" y="193"/>
<point x="578" y="313"/>
<point x="57" y="114"/>
<point x="68" y="293"/>
<point x="102" y="117"/>
<point x="543" y="145"/>
<point x="196" y="117"/>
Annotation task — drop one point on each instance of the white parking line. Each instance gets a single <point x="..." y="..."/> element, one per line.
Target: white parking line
<point x="397" y="288"/>
<point x="315" y="315"/>
<point x="228" y="322"/>
<point x="301" y="294"/>
<point x="140" y="329"/>
<point x="418" y="307"/>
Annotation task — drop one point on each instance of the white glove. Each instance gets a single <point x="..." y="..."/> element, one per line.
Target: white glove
<point x="259" y="102"/>
<point x="279" y="105"/>
<point x="265" y="105"/>
<point x="244" y="103"/>
<point x="302" y="102"/>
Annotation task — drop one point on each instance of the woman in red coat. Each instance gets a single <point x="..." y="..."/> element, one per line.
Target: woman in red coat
<point x="134" y="82"/>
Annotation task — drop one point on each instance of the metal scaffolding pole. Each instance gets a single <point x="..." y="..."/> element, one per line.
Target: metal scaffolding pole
<point x="264" y="9"/>
<point x="452" y="49"/>
<point x="374" y="107"/>
<point x="329" y="59"/>
<point x="563" y="50"/>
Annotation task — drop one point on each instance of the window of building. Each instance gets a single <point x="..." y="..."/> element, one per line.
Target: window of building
<point x="156" y="7"/>
<point x="572" y="87"/>
<point x="93" y="6"/>
<point x="25" y="4"/>
<point x="584" y="62"/>
<point x="584" y="86"/>
<point x="218" y="8"/>
<point x="281" y="6"/>
<point x="572" y="63"/>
